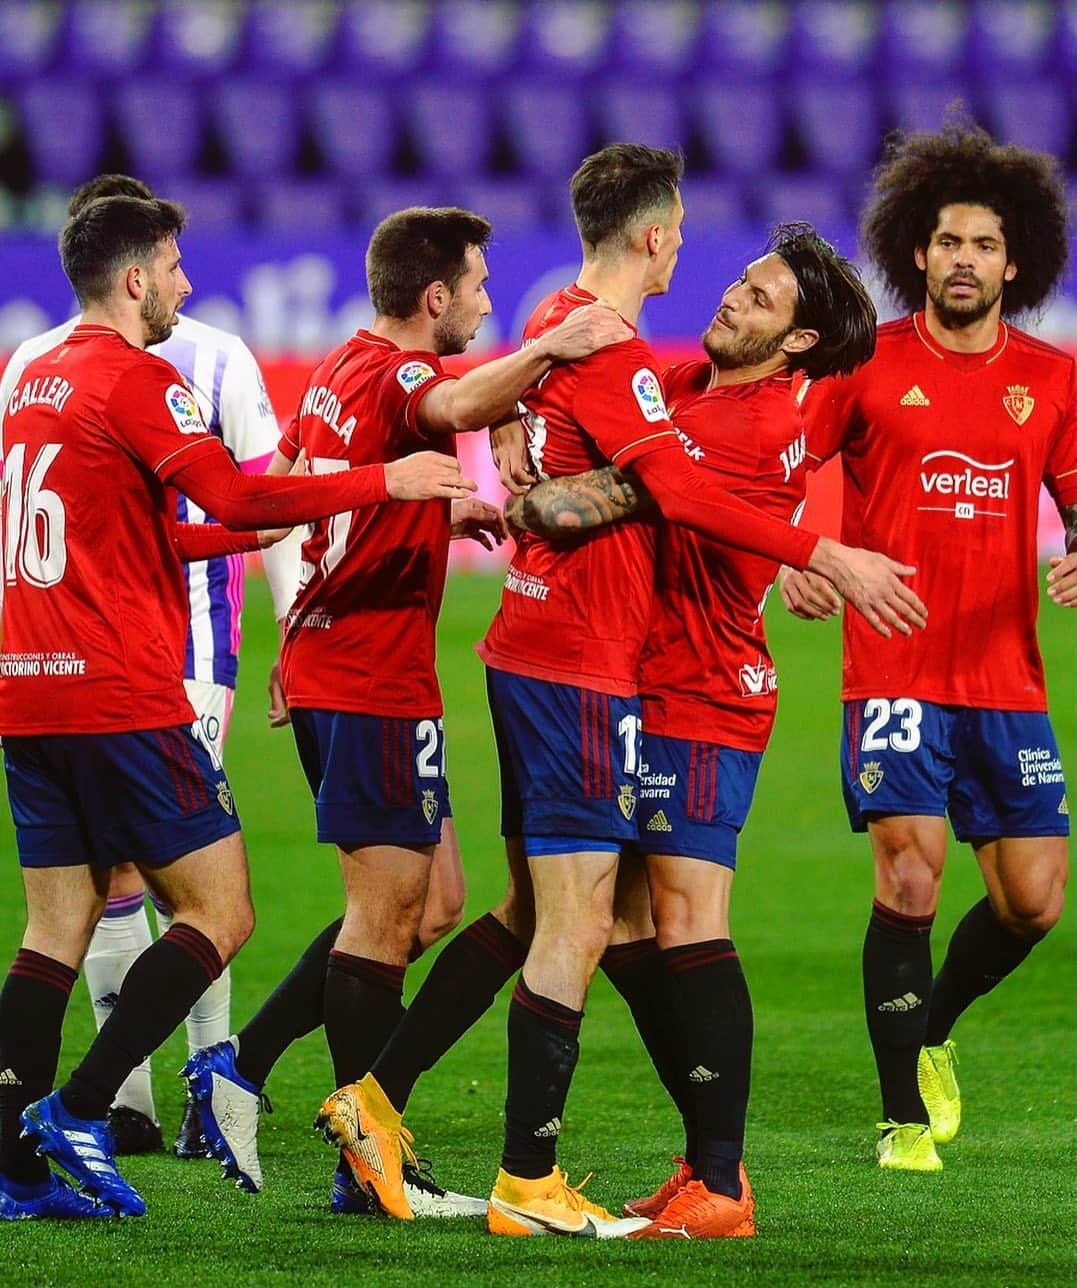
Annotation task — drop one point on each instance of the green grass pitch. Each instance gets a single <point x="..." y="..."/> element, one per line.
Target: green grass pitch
<point x="1001" y="1213"/>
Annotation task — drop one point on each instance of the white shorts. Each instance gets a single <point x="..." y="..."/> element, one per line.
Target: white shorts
<point x="213" y="710"/>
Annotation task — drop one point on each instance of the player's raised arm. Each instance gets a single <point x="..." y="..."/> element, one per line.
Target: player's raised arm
<point x="488" y="393"/>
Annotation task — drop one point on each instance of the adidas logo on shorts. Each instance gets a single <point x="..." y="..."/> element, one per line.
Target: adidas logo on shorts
<point x="659" y="823"/>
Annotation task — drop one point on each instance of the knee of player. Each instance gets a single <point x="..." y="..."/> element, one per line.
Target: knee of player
<point x="234" y="933"/>
<point x="1031" y="914"/>
<point x="908" y="878"/>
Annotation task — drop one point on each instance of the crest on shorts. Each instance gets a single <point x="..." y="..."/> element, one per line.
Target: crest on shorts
<point x="1018" y="404"/>
<point x="626" y="800"/>
<point x="430" y="806"/>
<point x="871" y="776"/>
<point x="224" y="797"/>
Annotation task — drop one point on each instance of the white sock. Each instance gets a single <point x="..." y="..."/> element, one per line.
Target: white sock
<point x="121" y="935"/>
<point x="208" y="1021"/>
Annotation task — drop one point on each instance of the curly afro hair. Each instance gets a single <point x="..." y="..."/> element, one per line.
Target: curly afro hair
<point x="922" y="173"/>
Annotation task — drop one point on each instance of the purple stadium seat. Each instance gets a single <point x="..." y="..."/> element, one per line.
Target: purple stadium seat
<point x="565" y="38"/>
<point x="712" y="205"/>
<point x="212" y="205"/>
<point x="915" y="107"/>
<point x="287" y="38"/>
<point x="511" y="205"/>
<point x="743" y="40"/>
<point x="309" y="206"/>
<point x="355" y="127"/>
<point x="1011" y="37"/>
<point x="638" y="113"/>
<point x="1066" y="41"/>
<point x="107" y="36"/>
<point x="832" y="37"/>
<point x="375" y="198"/>
<point x="1037" y="115"/>
<point x="64" y="127"/>
<point x="740" y="124"/>
<point x="28" y="38"/>
<point x="922" y="40"/>
<point x="654" y="38"/>
<point x="821" y="201"/>
<point x="154" y="149"/>
<point x="474" y="37"/>
<point x="257" y="125"/>
<point x="451" y="127"/>
<point x="549" y="127"/>
<point x="838" y="124"/>
<point x="383" y="38"/>
<point x="196" y="37"/>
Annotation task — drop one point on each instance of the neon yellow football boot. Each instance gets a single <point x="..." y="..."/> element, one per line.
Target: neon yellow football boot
<point x="941" y="1095"/>
<point x="907" y="1147"/>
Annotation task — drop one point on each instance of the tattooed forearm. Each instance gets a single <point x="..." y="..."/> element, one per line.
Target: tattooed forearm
<point x="559" y="508"/>
<point x="1069" y="522"/>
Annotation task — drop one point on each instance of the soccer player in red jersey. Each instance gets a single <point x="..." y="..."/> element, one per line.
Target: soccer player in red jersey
<point x="945" y="437"/>
<point x="563" y="659"/>
<point x="101" y="761"/>
<point x="709" y="694"/>
<point x="358" y="661"/>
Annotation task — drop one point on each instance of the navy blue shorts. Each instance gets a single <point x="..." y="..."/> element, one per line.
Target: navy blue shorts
<point x="996" y="773"/>
<point x="377" y="780"/>
<point x="694" y="798"/>
<point x="146" y="797"/>
<point x="569" y="760"/>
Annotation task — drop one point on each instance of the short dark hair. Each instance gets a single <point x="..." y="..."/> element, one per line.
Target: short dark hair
<point x="414" y="247"/>
<point x="614" y="187"/>
<point x="831" y="299"/>
<point x="107" y="185"/>
<point x="963" y="165"/>
<point x="112" y="233"/>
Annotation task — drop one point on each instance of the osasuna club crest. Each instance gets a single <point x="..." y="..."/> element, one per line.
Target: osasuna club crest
<point x="626" y="800"/>
<point x="430" y="806"/>
<point x="1018" y="404"/>
<point x="871" y="776"/>
<point x="224" y="797"/>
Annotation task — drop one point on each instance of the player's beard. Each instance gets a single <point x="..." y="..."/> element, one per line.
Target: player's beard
<point x="747" y="352"/>
<point x="451" y="334"/>
<point x="157" y="318"/>
<point x="964" y="312"/>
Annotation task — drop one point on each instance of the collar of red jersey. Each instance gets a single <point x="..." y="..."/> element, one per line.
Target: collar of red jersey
<point x="953" y="355"/>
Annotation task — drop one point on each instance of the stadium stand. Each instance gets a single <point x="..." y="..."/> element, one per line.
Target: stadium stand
<point x="345" y="103"/>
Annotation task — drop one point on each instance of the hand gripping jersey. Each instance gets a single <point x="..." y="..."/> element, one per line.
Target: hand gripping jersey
<point x="578" y="614"/>
<point x="943" y="455"/>
<point x="223" y="375"/>
<point x="95" y="605"/>
<point x="361" y="633"/>
<point x="706" y="672"/>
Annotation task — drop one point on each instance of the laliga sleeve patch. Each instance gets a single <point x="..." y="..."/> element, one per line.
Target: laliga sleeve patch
<point x="413" y="374"/>
<point x="648" y="393"/>
<point x="184" y="410"/>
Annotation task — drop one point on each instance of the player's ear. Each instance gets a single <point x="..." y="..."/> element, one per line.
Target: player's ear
<point x="653" y="238"/>
<point x="1011" y="272"/>
<point x="135" y="281"/>
<point x="800" y="340"/>
<point x="920" y="255"/>
<point x="436" y="298"/>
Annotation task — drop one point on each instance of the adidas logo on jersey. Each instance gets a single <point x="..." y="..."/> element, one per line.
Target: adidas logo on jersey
<point x="702" y="1074"/>
<point x="659" y="823"/>
<point x="552" y="1128"/>
<point x="915" y="398"/>
<point x="8" y="1079"/>
<point x="907" y="1002"/>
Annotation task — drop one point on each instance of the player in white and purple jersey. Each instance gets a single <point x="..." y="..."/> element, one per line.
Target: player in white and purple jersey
<point x="227" y="385"/>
